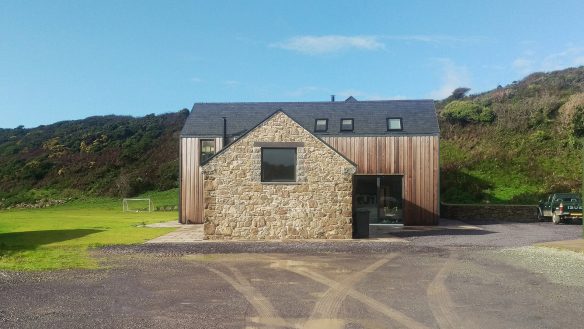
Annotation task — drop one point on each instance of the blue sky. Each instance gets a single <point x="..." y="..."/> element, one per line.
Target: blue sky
<point x="63" y="60"/>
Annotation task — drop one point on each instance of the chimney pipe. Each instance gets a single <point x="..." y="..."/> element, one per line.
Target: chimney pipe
<point x="332" y="98"/>
<point x="225" y="142"/>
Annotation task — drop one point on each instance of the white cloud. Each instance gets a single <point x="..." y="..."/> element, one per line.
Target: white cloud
<point x="317" y="45"/>
<point x="578" y="61"/>
<point x="453" y="76"/>
<point x="436" y="38"/>
<point x="530" y="61"/>
<point x="523" y="65"/>
<point x="325" y="44"/>
<point x="231" y="83"/>
<point x="571" y="56"/>
<point x="196" y="80"/>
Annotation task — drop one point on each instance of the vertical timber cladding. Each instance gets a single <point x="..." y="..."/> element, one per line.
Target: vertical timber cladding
<point x="414" y="157"/>
<point x="191" y="179"/>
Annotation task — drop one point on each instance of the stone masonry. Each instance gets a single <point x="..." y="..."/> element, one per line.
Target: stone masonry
<point x="500" y="212"/>
<point x="238" y="205"/>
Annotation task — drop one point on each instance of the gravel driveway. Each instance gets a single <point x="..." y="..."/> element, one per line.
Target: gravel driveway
<point x="480" y="275"/>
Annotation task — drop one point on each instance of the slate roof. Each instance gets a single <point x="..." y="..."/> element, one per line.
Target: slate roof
<point x="418" y="117"/>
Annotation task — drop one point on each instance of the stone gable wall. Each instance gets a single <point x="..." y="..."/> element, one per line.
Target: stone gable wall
<point x="239" y="206"/>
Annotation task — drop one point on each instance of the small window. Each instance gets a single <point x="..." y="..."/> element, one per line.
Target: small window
<point x="321" y="125"/>
<point x="278" y="164"/>
<point x="394" y="124"/>
<point x="207" y="149"/>
<point x="346" y="124"/>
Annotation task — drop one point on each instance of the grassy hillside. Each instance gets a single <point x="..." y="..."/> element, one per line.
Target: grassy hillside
<point x="516" y="143"/>
<point x="106" y="155"/>
<point x="512" y="144"/>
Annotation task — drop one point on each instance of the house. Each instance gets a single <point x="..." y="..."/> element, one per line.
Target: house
<point x="306" y="169"/>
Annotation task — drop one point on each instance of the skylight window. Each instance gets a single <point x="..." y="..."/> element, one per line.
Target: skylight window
<point x="347" y="125"/>
<point x="394" y="124"/>
<point x="321" y="125"/>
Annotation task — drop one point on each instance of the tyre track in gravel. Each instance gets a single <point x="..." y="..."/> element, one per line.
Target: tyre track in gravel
<point x="329" y="305"/>
<point x="267" y="314"/>
<point x="393" y="314"/>
<point x="441" y="304"/>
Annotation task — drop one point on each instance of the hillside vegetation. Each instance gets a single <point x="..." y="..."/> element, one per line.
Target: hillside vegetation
<point x="513" y="144"/>
<point x="103" y="155"/>
<point x="516" y="143"/>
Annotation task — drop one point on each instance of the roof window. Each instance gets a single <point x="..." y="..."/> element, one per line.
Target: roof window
<point x="320" y="125"/>
<point x="394" y="124"/>
<point x="347" y="125"/>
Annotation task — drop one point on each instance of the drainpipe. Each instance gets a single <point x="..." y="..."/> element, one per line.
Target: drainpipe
<point x="225" y="131"/>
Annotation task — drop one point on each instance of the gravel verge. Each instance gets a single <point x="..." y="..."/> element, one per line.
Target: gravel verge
<point x="558" y="266"/>
<point x="285" y="247"/>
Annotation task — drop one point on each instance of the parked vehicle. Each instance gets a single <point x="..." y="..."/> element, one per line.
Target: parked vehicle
<point x="560" y="207"/>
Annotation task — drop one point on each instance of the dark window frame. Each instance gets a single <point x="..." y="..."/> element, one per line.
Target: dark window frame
<point x="201" y="160"/>
<point x="352" y="124"/>
<point x="283" y="181"/>
<point x="401" y="124"/>
<point x="325" y="125"/>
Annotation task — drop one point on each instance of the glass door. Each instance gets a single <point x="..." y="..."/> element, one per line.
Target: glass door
<point x="380" y="196"/>
<point x="390" y="198"/>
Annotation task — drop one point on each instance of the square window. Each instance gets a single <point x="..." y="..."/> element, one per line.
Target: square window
<point x="394" y="124"/>
<point x="278" y="164"/>
<point x="346" y="124"/>
<point x="207" y="149"/>
<point x="321" y="125"/>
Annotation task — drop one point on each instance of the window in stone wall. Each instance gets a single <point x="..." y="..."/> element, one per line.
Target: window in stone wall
<point x="278" y="164"/>
<point x="207" y="149"/>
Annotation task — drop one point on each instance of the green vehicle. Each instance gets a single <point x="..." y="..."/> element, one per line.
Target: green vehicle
<point x="560" y="207"/>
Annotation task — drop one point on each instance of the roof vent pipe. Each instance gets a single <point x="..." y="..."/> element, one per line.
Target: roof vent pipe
<point x="332" y="98"/>
<point x="225" y="142"/>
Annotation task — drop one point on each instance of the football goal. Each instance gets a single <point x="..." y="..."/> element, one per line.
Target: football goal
<point x="137" y="205"/>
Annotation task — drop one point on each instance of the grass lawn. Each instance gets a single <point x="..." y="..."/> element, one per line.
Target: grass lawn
<point x="59" y="237"/>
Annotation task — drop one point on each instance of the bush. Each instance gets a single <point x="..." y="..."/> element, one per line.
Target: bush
<point x="467" y="112"/>
<point x="578" y="122"/>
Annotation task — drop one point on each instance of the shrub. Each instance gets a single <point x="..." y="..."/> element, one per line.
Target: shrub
<point x="578" y="122"/>
<point x="539" y="136"/>
<point x="467" y="112"/>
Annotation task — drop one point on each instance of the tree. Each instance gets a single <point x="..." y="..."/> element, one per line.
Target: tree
<point x="460" y="93"/>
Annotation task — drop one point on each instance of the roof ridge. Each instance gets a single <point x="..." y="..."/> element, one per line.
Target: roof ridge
<point x="324" y="102"/>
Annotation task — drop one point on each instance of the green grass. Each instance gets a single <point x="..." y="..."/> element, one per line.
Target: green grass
<point x="507" y="167"/>
<point x="59" y="237"/>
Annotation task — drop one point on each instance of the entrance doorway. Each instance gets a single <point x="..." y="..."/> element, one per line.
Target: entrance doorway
<point x="381" y="196"/>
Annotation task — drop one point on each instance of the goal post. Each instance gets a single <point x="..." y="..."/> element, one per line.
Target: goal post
<point x="136" y="205"/>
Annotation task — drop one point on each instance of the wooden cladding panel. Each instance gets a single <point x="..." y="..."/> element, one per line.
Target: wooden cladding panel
<point x="191" y="179"/>
<point x="416" y="158"/>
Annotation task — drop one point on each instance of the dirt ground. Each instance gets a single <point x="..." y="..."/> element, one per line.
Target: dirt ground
<point x="572" y="245"/>
<point x="471" y="277"/>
